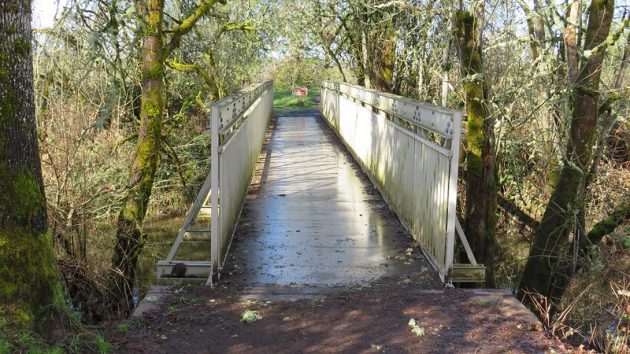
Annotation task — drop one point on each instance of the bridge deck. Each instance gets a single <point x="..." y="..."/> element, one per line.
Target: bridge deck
<point x="312" y="217"/>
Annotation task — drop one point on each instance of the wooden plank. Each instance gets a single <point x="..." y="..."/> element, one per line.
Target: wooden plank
<point x="467" y="273"/>
<point x="197" y="237"/>
<point x="199" y="230"/>
<point x="194" y="269"/>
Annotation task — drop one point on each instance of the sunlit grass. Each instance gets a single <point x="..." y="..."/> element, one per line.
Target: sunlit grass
<point x="283" y="99"/>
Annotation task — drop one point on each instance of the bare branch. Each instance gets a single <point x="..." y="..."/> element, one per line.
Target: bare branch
<point x="188" y="24"/>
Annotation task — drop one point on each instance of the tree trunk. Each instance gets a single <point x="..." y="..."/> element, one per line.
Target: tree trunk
<point x="365" y="55"/>
<point x="606" y="120"/>
<point x="129" y="236"/>
<point x="334" y="58"/>
<point x="549" y="251"/>
<point x="534" y="28"/>
<point x="481" y="204"/>
<point x="606" y="226"/>
<point x="381" y="62"/>
<point x="533" y="44"/>
<point x="30" y="291"/>
<point x="571" y="40"/>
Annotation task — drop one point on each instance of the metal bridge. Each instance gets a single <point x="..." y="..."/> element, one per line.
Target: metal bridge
<point x="308" y="216"/>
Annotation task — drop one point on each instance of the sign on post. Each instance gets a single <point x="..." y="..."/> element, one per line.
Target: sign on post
<point x="300" y="91"/>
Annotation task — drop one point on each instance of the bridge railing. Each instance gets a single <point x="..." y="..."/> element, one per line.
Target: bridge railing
<point x="410" y="151"/>
<point x="237" y="125"/>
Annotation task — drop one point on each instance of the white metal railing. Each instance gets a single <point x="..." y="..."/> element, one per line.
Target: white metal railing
<point x="237" y="124"/>
<point x="410" y="151"/>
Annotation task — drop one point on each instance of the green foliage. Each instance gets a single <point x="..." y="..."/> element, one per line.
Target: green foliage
<point x="250" y="316"/>
<point x="75" y="344"/>
<point x="122" y="327"/>
<point x="28" y="342"/>
<point x="102" y="345"/>
<point x="415" y="329"/>
<point x="303" y="72"/>
<point x="5" y="346"/>
<point x="624" y="239"/>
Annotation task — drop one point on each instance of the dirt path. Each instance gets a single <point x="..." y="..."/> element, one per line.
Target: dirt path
<point x="367" y="319"/>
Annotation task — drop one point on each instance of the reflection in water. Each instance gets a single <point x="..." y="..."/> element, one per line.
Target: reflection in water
<point x="160" y="236"/>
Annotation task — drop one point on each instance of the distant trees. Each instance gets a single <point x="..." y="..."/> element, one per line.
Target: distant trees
<point x="30" y="291"/>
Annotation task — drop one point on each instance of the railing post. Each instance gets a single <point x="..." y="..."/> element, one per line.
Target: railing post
<point x="452" y="193"/>
<point x="215" y="221"/>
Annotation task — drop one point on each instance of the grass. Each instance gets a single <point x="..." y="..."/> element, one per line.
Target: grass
<point x="122" y="327"/>
<point x="283" y="100"/>
<point x="5" y="347"/>
<point x="30" y="343"/>
<point x="102" y="345"/>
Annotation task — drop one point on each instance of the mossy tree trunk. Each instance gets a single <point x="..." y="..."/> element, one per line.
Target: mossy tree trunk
<point x="544" y="273"/>
<point x="364" y="78"/>
<point x="481" y="191"/>
<point x="376" y="52"/>
<point x="129" y="236"/>
<point x="30" y="289"/>
<point x="535" y="27"/>
<point x="155" y="51"/>
<point x="381" y="56"/>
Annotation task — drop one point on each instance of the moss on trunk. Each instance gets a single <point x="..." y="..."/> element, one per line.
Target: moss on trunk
<point x="607" y="225"/>
<point x="481" y="204"/>
<point x="129" y="236"/>
<point x="30" y="291"/>
<point x="382" y="58"/>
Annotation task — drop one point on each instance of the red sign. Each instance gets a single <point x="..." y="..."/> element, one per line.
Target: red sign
<point x="300" y="91"/>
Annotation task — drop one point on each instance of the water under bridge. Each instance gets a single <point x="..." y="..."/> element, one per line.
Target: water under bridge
<point x="333" y="197"/>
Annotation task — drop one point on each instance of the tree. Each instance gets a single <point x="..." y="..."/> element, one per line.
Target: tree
<point x="156" y="48"/>
<point x="210" y="73"/>
<point x="30" y="290"/>
<point x="545" y="272"/>
<point x="481" y="191"/>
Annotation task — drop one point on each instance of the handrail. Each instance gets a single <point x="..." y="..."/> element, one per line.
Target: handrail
<point x="393" y="139"/>
<point x="227" y="117"/>
<point x="428" y="116"/>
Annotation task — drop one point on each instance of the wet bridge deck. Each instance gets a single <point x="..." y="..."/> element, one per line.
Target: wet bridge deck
<point x="312" y="217"/>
